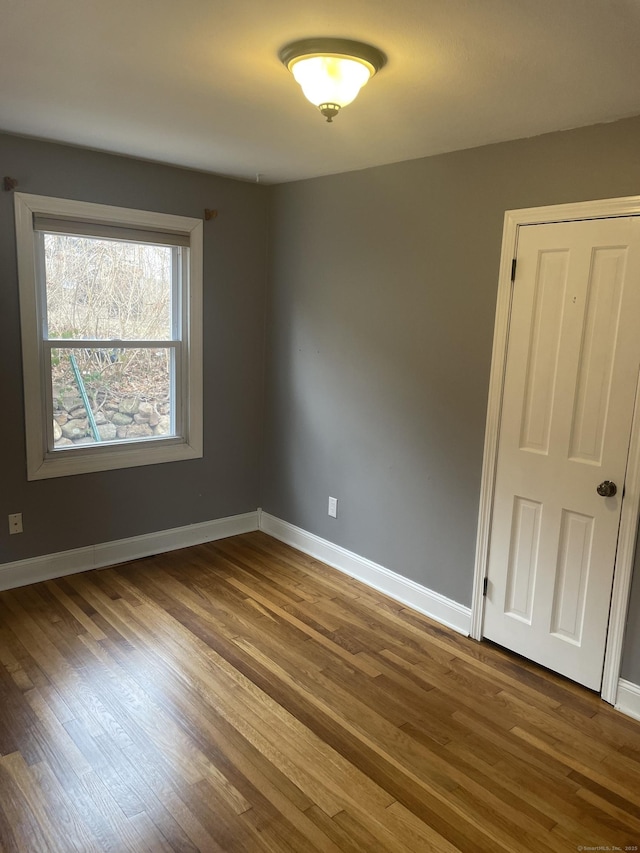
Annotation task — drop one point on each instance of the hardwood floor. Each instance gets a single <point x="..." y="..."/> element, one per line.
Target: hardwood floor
<point x="240" y="696"/>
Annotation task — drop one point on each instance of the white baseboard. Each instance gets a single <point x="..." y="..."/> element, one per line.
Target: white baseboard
<point x="418" y="597"/>
<point x="50" y="566"/>
<point x="628" y="700"/>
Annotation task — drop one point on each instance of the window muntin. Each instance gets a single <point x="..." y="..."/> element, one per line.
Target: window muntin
<point x="110" y="308"/>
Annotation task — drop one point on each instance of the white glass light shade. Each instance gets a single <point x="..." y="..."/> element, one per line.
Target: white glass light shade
<point x="330" y="79"/>
<point x="331" y="71"/>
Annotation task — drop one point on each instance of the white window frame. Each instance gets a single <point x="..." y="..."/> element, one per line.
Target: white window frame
<point x="42" y="462"/>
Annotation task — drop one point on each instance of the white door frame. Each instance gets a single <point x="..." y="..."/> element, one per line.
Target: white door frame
<point x="623" y="569"/>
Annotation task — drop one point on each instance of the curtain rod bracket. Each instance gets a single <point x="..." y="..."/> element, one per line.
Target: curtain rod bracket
<point x="9" y="183"/>
<point x="210" y="214"/>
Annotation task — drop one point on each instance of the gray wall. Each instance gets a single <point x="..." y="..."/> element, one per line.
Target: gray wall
<point x="75" y="511"/>
<point x="380" y="324"/>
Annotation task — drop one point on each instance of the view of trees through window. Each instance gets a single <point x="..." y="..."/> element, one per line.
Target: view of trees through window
<point x="120" y="293"/>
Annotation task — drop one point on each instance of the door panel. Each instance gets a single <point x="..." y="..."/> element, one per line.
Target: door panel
<point x="523" y="558"/>
<point x="604" y="299"/>
<point x="574" y="562"/>
<point x="571" y="372"/>
<point x="544" y="350"/>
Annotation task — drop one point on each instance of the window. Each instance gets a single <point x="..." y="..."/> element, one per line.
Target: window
<point x="110" y="303"/>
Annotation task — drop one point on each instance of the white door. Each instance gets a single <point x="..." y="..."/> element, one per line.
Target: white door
<point x="571" y="375"/>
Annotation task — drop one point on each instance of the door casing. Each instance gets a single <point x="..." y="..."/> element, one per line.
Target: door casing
<point x="623" y="569"/>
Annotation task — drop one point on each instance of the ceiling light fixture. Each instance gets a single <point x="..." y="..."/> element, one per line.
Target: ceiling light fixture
<point x="331" y="71"/>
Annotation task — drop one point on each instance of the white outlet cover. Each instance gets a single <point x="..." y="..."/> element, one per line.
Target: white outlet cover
<point x="333" y="507"/>
<point x="15" y="523"/>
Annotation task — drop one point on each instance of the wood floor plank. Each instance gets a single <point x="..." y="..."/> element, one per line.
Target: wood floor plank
<point x="346" y="842"/>
<point x="241" y="696"/>
<point x="39" y="804"/>
<point x="20" y="825"/>
<point x="68" y="819"/>
<point x="122" y="831"/>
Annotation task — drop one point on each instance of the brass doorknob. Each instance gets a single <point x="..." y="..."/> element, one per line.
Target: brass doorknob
<point x="607" y="489"/>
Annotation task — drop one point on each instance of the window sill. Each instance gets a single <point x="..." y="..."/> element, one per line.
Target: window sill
<point x="68" y="463"/>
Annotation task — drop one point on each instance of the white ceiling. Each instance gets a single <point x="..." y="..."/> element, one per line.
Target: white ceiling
<point x="198" y="82"/>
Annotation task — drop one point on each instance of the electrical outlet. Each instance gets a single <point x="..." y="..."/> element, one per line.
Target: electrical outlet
<point x="15" y="522"/>
<point x="333" y="507"/>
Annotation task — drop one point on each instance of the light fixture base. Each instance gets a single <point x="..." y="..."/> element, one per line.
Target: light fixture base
<point x="322" y="46"/>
